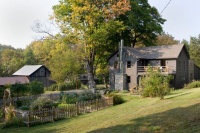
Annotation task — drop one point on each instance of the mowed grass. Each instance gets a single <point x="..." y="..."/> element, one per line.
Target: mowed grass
<point x="179" y="112"/>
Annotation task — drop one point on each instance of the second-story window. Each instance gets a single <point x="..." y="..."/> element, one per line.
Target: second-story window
<point x="128" y="64"/>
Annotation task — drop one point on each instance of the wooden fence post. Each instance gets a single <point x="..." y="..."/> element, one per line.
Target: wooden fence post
<point x="97" y="104"/>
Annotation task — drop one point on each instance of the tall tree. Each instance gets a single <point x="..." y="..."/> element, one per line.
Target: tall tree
<point x="63" y="63"/>
<point x="143" y="24"/>
<point x="92" y="21"/>
<point x="11" y="60"/>
<point x="194" y="49"/>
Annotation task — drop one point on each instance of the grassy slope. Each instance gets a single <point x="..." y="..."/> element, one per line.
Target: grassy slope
<point x="179" y="112"/>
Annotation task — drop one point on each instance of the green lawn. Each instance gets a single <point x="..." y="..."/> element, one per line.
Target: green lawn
<point x="179" y="112"/>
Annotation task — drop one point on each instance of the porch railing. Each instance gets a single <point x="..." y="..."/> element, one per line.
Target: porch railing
<point x="163" y="69"/>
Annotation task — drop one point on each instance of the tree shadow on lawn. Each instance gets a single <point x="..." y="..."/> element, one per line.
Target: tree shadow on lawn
<point x="182" y="119"/>
<point x="177" y="95"/>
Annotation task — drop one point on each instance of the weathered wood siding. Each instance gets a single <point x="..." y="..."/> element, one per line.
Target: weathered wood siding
<point x="41" y="75"/>
<point x="182" y="62"/>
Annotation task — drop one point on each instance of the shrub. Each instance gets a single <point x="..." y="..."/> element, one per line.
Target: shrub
<point x="154" y="84"/>
<point x="18" y="103"/>
<point x="41" y="102"/>
<point x="193" y="84"/>
<point x="36" y="87"/>
<point x="71" y="98"/>
<point x="19" y="89"/>
<point x="117" y="99"/>
<point x="14" y="122"/>
<point x="1" y="113"/>
<point x="53" y="87"/>
<point x="24" y="108"/>
<point x="85" y="96"/>
<point x="61" y="87"/>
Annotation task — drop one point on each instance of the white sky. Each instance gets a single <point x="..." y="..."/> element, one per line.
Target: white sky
<point x="17" y="17"/>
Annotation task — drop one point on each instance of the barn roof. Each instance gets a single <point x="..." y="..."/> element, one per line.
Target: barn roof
<point x="27" y="70"/>
<point x="13" y="80"/>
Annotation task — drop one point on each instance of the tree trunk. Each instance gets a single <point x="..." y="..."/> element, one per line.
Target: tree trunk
<point x="90" y="72"/>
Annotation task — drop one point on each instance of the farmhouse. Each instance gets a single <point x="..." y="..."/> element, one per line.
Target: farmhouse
<point x="171" y="60"/>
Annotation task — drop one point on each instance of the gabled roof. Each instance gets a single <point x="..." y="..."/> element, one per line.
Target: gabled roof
<point x="13" y="80"/>
<point x="155" y="52"/>
<point x="134" y="52"/>
<point x="161" y="52"/>
<point x="27" y="70"/>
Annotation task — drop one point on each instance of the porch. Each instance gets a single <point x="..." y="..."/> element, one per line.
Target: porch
<point x="141" y="70"/>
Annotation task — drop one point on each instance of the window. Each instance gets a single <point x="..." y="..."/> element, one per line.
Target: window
<point x="116" y="64"/>
<point x="128" y="79"/>
<point x="128" y="64"/>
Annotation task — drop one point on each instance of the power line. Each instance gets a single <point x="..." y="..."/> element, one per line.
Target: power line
<point x="165" y="6"/>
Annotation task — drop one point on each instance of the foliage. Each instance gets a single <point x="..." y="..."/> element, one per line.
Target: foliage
<point x="10" y="61"/>
<point x="194" y="49"/>
<point x="88" y="24"/>
<point x="154" y="84"/>
<point x="64" y="86"/>
<point x="9" y="113"/>
<point x="1" y="113"/>
<point x="143" y="24"/>
<point x="117" y="99"/>
<point x="165" y="39"/>
<point x="180" y="109"/>
<point x="36" y="87"/>
<point x="24" y="108"/>
<point x="18" y="89"/>
<point x="41" y="102"/>
<point x="14" y="122"/>
<point x="85" y="96"/>
<point x="193" y="84"/>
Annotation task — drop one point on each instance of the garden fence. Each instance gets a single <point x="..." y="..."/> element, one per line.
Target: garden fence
<point x="70" y="110"/>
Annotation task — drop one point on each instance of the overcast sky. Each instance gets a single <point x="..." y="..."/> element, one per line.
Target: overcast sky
<point x="17" y="17"/>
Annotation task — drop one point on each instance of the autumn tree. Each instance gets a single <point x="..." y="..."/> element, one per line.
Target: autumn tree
<point x="165" y="39"/>
<point x="89" y="23"/>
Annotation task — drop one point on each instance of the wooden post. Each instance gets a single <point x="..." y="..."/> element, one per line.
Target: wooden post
<point x="28" y="118"/>
<point x="97" y="104"/>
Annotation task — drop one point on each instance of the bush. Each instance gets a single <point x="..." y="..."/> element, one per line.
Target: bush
<point x="41" y="102"/>
<point x="117" y="99"/>
<point x="71" y="98"/>
<point x="85" y="96"/>
<point x="24" y="108"/>
<point x="61" y="87"/>
<point x="154" y="84"/>
<point x="18" y="103"/>
<point x="14" y="122"/>
<point x="193" y="84"/>
<point x="53" y="87"/>
<point x="36" y="87"/>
